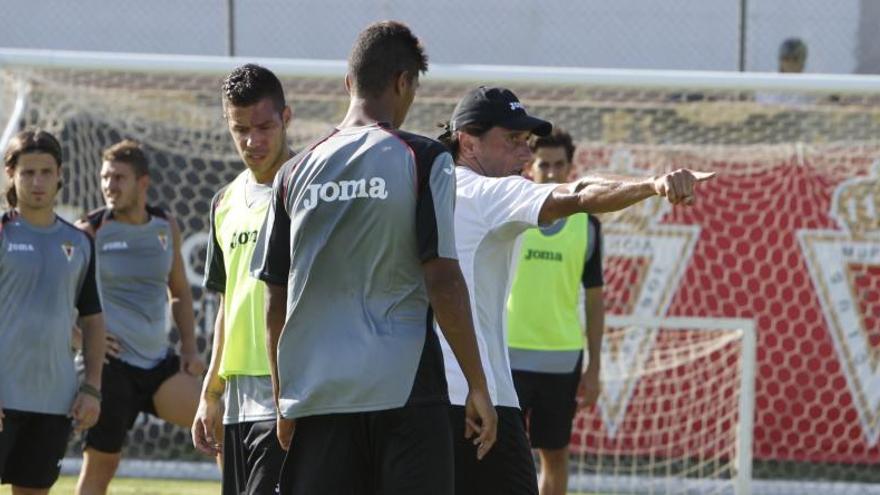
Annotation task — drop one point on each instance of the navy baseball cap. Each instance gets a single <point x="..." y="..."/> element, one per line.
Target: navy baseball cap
<point x="498" y="107"/>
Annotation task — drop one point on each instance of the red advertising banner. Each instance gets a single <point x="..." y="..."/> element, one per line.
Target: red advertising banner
<point x="789" y="240"/>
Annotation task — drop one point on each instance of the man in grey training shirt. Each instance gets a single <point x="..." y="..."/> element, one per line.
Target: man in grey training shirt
<point x="47" y="280"/>
<point x="359" y="250"/>
<point x="140" y="274"/>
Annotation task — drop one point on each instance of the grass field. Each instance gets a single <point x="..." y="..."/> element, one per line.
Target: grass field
<point x="135" y="486"/>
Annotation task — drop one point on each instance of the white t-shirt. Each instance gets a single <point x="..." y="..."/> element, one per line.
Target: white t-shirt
<point x="490" y="215"/>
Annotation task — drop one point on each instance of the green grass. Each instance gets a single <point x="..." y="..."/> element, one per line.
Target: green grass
<point x="136" y="486"/>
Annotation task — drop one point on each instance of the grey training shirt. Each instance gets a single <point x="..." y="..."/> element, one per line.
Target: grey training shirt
<point x="352" y="220"/>
<point x="134" y="262"/>
<point x="47" y="274"/>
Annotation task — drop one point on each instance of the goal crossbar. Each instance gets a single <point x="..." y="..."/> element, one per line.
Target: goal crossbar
<point x="619" y="78"/>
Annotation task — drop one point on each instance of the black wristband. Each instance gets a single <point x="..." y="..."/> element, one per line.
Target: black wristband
<point x="87" y="389"/>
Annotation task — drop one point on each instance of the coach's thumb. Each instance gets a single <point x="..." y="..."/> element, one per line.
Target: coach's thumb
<point x="703" y="176"/>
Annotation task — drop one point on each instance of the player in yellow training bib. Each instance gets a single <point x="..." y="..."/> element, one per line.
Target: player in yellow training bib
<point x="545" y="339"/>
<point x="238" y="385"/>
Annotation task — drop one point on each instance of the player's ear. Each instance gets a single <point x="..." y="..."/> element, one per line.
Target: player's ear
<point x="144" y="181"/>
<point x="402" y="82"/>
<point x="10" y="172"/>
<point x="466" y="144"/>
<point x="348" y="83"/>
<point x="286" y="115"/>
<point x="225" y="112"/>
<point x="529" y="170"/>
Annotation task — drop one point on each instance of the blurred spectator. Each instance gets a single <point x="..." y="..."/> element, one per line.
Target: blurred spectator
<point x="792" y="55"/>
<point x="792" y="59"/>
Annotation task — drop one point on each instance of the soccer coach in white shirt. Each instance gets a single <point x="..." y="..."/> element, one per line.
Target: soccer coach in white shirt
<point x="488" y="137"/>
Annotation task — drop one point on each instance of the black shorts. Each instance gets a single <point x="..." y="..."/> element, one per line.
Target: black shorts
<point x="127" y="391"/>
<point x="252" y="458"/>
<point x="405" y="451"/>
<point x="548" y="401"/>
<point x="31" y="448"/>
<point x="508" y="468"/>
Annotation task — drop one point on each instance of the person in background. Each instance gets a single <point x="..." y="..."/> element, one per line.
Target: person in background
<point x="237" y="390"/>
<point x="545" y="338"/>
<point x="140" y="274"/>
<point x="47" y="282"/>
<point x="792" y="56"/>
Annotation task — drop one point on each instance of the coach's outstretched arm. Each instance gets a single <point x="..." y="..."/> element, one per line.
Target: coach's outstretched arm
<point x="604" y="193"/>
<point x="450" y="301"/>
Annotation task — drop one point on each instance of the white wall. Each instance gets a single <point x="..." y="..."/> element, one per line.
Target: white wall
<point x="667" y="34"/>
<point x="159" y="26"/>
<point x="622" y="33"/>
<point x="829" y="27"/>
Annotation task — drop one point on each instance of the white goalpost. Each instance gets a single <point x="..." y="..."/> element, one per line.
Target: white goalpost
<point x="741" y="354"/>
<point x="698" y="340"/>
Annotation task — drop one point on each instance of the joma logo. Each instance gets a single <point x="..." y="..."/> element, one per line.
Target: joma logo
<point x="534" y="254"/>
<point x="23" y="247"/>
<point x="115" y="246"/>
<point x="242" y="238"/>
<point x="345" y="190"/>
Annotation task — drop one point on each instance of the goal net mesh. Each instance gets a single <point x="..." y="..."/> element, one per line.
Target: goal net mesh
<point x="786" y="236"/>
<point x="681" y="434"/>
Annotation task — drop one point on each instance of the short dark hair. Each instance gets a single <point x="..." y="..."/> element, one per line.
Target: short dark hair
<point x="793" y="49"/>
<point x="450" y="137"/>
<point x="557" y="138"/>
<point x="128" y="151"/>
<point x="31" y="140"/>
<point x="381" y="52"/>
<point x="250" y="83"/>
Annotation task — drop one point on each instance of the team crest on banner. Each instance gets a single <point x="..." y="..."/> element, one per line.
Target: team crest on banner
<point x="845" y="269"/>
<point x="163" y="240"/>
<point x="68" y="250"/>
<point x="658" y="256"/>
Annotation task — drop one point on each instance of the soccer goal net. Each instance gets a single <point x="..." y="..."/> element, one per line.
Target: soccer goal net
<point x="786" y="237"/>
<point x="676" y="409"/>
